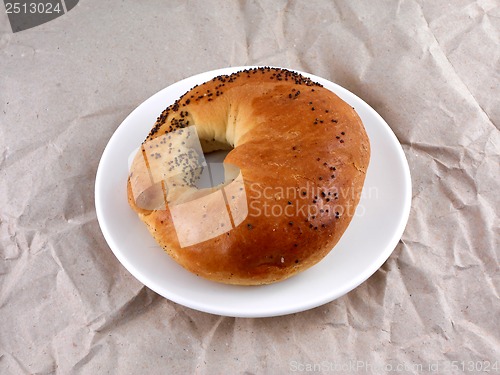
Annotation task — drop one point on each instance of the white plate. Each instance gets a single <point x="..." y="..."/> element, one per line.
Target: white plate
<point x="371" y="237"/>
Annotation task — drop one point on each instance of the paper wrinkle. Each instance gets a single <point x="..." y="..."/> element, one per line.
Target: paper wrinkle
<point x="479" y="344"/>
<point x="18" y="366"/>
<point x="105" y="111"/>
<point x="63" y="277"/>
<point x="14" y="269"/>
<point x="87" y="358"/>
<point x="470" y="96"/>
<point x="208" y="339"/>
<point x="461" y="28"/>
<point x="357" y="28"/>
<point x="3" y="156"/>
<point x="102" y="327"/>
<point x="139" y="302"/>
<point x="424" y="291"/>
<point x="459" y="33"/>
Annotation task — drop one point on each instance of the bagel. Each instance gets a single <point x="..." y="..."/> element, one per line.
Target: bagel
<point x="297" y="161"/>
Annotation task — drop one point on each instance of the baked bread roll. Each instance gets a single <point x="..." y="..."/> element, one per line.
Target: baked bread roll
<point x="293" y="176"/>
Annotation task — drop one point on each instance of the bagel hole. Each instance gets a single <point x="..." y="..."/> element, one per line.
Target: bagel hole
<point x="217" y="173"/>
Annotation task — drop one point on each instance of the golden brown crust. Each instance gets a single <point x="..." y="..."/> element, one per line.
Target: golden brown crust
<point x="303" y="154"/>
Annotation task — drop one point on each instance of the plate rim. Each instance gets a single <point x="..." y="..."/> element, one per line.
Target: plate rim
<point x="326" y="298"/>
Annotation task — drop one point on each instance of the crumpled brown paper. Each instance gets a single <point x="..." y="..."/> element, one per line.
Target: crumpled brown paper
<point x="429" y="68"/>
